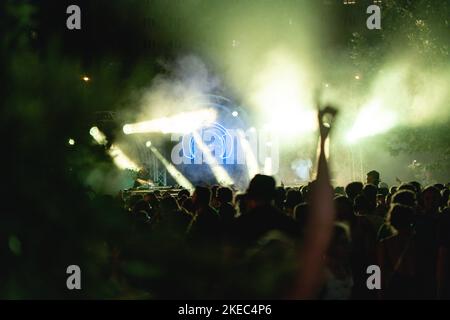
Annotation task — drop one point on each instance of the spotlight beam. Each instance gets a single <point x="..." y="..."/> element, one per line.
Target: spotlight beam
<point x="219" y="173"/>
<point x="250" y="158"/>
<point x="373" y="119"/>
<point x="184" y="122"/>
<point x="177" y="175"/>
<point x="120" y="159"/>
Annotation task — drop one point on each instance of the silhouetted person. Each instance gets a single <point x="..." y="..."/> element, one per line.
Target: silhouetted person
<point x="431" y="200"/>
<point x="301" y="213"/>
<point x="361" y="206"/>
<point x="353" y="189"/>
<point x="370" y="194"/>
<point x="417" y="186"/>
<point x="262" y="215"/>
<point x="397" y="257"/>
<point x="407" y="186"/>
<point x="445" y="195"/>
<point x="339" y="191"/>
<point x="393" y="190"/>
<point x="206" y="222"/>
<point x="241" y="204"/>
<point x="143" y="205"/>
<point x="405" y="197"/>
<point x="426" y="227"/>
<point x="226" y="209"/>
<point x="338" y="273"/>
<point x="172" y="216"/>
<point x="373" y="177"/>
<point x="443" y="259"/>
<point x="382" y="207"/>
<point x="293" y="198"/>
<point x="183" y="193"/>
<point x="280" y="197"/>
<point x="214" y="201"/>
<point x="304" y="192"/>
<point x="344" y="209"/>
<point x="364" y="236"/>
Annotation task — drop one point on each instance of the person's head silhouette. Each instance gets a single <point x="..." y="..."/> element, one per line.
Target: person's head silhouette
<point x="224" y="195"/>
<point x="353" y="189"/>
<point x="293" y="198"/>
<point x="261" y="189"/>
<point x="201" y="197"/>
<point x="401" y="217"/>
<point x="373" y="177"/>
<point x="431" y="199"/>
<point x="404" y="197"/>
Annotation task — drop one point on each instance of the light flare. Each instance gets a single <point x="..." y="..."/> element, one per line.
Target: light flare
<point x="184" y="122"/>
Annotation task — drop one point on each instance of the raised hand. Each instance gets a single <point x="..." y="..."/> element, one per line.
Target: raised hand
<point x="326" y="117"/>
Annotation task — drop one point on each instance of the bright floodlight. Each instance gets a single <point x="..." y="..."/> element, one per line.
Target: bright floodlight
<point x="86" y="78"/>
<point x="372" y="119"/>
<point x="184" y="122"/>
<point x="292" y="123"/>
<point x="148" y="144"/>
<point x="98" y="136"/>
<point x="357" y="77"/>
<point x="235" y="113"/>
<point x="283" y="96"/>
<point x="71" y="142"/>
<point x="128" y="128"/>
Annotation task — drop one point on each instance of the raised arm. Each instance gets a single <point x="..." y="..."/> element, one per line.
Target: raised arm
<point x="320" y="226"/>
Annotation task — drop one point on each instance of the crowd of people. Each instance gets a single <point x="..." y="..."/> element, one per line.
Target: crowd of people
<point x="404" y="230"/>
